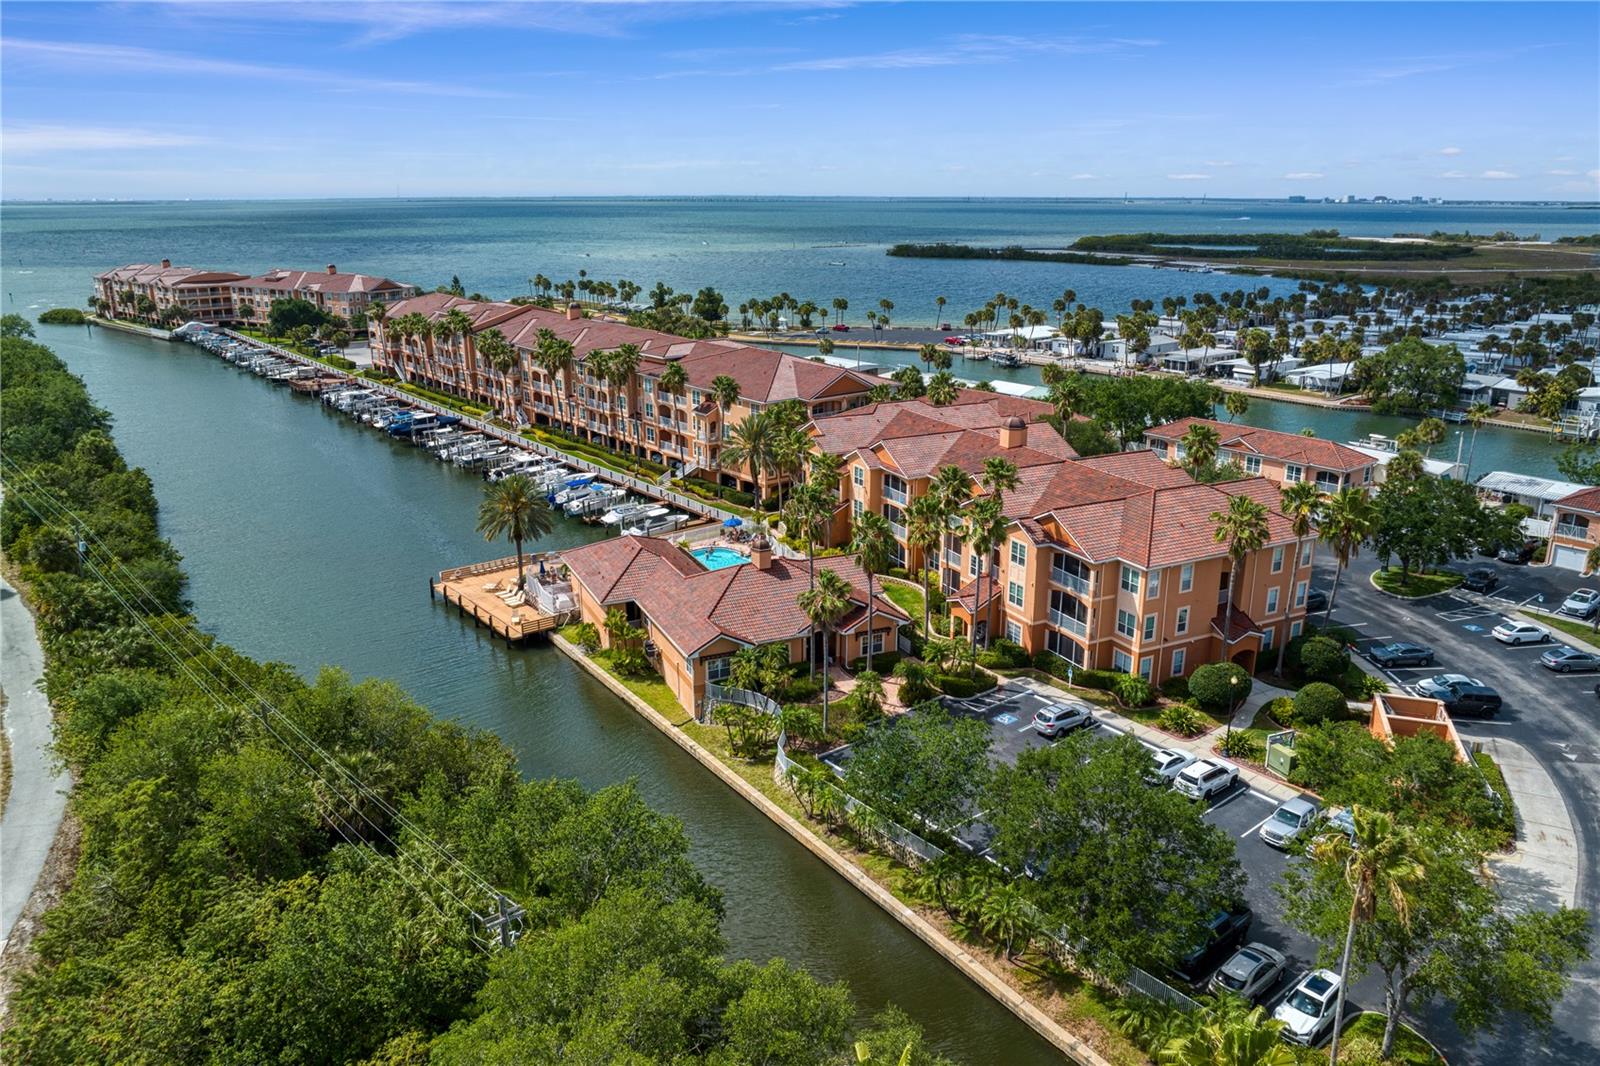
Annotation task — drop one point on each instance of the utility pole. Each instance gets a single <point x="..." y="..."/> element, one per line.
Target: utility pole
<point x="506" y="922"/>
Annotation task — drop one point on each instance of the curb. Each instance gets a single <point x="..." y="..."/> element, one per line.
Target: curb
<point x="1036" y="1019"/>
<point x="1558" y="636"/>
<point x="1371" y="580"/>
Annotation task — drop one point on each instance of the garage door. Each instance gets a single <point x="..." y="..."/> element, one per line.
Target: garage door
<point x="1569" y="558"/>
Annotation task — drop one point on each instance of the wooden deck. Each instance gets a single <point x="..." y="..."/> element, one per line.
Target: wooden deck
<point x="475" y="592"/>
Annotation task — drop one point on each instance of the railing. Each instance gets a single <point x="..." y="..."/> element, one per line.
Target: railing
<point x="1069" y="623"/>
<point x="898" y="530"/>
<point x="894" y="495"/>
<point x="1068" y="580"/>
<point x="952" y="559"/>
<point x="1567" y="529"/>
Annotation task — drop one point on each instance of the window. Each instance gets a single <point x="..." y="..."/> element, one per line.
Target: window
<point x="1305" y="552"/>
<point x="1266" y="638"/>
<point x="1178" y="664"/>
<point x="1019" y="553"/>
<point x="1300" y="594"/>
<point x="1366" y="475"/>
<point x="972" y="565"/>
<point x="1272" y="600"/>
<point x="649" y="409"/>
<point x="1183" y="621"/>
<point x="1186" y="577"/>
<point x="1277" y="559"/>
<point x="1292" y="473"/>
<point x="856" y="508"/>
<point x="858" y="474"/>
<point x="1122" y="662"/>
<point x="1063" y="647"/>
<point x="876" y="644"/>
<point x="1126" y="623"/>
<point x="717" y="669"/>
<point x="1252" y="464"/>
<point x="1152" y="587"/>
<point x="1149" y="627"/>
<point x="1014" y="594"/>
<point x="1013" y="632"/>
<point x="649" y="389"/>
<point x="1146" y="663"/>
<point x="1130" y="580"/>
<point x="1294" y="630"/>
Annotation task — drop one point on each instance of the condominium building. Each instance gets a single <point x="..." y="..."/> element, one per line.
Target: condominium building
<point x="1280" y="457"/>
<point x="1575" y="530"/>
<point x="1112" y="563"/>
<point x="151" y="292"/>
<point x="892" y="452"/>
<point x="344" y="295"/>
<point x="695" y="620"/>
<point x="683" y="426"/>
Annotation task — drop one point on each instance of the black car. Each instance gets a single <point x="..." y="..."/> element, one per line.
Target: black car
<point x="1224" y="934"/>
<point x="1518" y="553"/>
<point x="1401" y="653"/>
<point x="1316" y="600"/>
<point x="1480" y="579"/>
<point x="1467" y="699"/>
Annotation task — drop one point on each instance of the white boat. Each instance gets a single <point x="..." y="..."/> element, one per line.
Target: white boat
<point x="625" y="512"/>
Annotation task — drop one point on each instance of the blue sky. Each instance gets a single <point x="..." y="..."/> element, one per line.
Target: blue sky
<point x="143" y="100"/>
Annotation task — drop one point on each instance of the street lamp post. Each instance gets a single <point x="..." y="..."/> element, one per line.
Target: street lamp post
<point x="1233" y="706"/>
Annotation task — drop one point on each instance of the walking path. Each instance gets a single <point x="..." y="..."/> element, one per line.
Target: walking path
<point x="38" y="793"/>
<point x="1543" y="871"/>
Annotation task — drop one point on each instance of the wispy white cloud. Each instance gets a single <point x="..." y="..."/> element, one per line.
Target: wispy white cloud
<point x="104" y="57"/>
<point x="1302" y="175"/>
<point x="1188" y="177"/>
<point x="1450" y="151"/>
<point x="972" y="49"/>
<point x="1498" y="175"/>
<point x="1219" y="162"/>
<point x="1561" y="172"/>
<point x="1085" y="177"/>
<point x="1454" y="174"/>
<point x="683" y="164"/>
<point x="37" y="140"/>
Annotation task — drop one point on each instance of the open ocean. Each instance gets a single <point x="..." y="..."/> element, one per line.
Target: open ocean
<point x="814" y="249"/>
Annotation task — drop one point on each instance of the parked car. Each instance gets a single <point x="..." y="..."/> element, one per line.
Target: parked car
<point x="1581" y="604"/>
<point x="1472" y="699"/>
<point x="1440" y="685"/>
<point x="1307" y="1011"/>
<point x="1250" y="972"/>
<point x="1564" y="660"/>
<point x="1205" y="778"/>
<point x="1401" y="653"/>
<point x="841" y="328"/>
<point x="1059" y="719"/>
<point x="1224" y="933"/>
<point x="1341" y="819"/>
<point x="1518" y="553"/>
<point x="1169" y="763"/>
<point x="1291" y="819"/>
<point x="955" y="340"/>
<point x="1480" y="579"/>
<point x="1316" y="600"/>
<point x="1520" y="633"/>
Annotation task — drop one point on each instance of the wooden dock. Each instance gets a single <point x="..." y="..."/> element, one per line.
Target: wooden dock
<point x="478" y="591"/>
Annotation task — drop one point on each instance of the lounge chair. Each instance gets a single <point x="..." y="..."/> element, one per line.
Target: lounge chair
<point x="492" y="586"/>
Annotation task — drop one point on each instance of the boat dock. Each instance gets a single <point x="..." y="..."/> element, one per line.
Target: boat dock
<point x="487" y="593"/>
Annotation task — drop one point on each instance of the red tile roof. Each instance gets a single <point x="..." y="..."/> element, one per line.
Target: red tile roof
<point x="1241" y="625"/>
<point x="167" y="276"/>
<point x="914" y="438"/>
<point x="1144" y="467"/>
<point x="320" y="281"/>
<point x="1271" y="443"/>
<point x="1582" y="500"/>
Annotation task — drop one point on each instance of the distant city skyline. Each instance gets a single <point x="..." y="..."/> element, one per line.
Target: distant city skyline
<point x="156" y="101"/>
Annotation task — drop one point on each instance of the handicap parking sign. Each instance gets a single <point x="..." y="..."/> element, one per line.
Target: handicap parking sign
<point x="1005" y="719"/>
<point x="1470" y="628"/>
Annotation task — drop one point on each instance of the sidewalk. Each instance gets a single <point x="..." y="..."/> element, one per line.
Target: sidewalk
<point x="1544" y="868"/>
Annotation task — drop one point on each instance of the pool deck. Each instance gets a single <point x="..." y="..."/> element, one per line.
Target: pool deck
<point x="475" y="591"/>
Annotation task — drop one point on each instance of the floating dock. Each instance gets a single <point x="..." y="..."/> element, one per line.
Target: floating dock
<point x="485" y="592"/>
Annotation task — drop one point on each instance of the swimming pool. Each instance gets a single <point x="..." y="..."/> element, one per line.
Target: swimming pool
<point x="718" y="558"/>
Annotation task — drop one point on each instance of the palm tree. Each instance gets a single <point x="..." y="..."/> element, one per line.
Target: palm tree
<point x="938" y="310"/>
<point x="1232" y="1033"/>
<point x="999" y="476"/>
<point x="674" y="379"/>
<point x="823" y="605"/>
<point x="1348" y="520"/>
<point x="1477" y="415"/>
<point x="514" y="509"/>
<point x="1200" y="445"/>
<point x="1236" y="404"/>
<point x="1301" y="504"/>
<point x="942" y="389"/>
<point x="1005" y="915"/>
<point x="870" y="541"/>
<point x="925" y="526"/>
<point x="753" y="444"/>
<point x="986" y="525"/>
<point x="724" y="392"/>
<point x="1243" y="528"/>
<point x="1381" y="858"/>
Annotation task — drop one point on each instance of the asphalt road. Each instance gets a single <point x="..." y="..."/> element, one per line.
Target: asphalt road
<point x="38" y="794"/>
<point x="1554" y="717"/>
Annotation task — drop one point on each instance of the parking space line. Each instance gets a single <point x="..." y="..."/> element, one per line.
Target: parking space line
<point x="1253" y="828"/>
<point x="1260" y="795"/>
<point x="1224" y="803"/>
<point x="1526" y="647"/>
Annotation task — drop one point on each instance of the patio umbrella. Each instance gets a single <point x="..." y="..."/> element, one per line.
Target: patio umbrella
<point x="732" y="523"/>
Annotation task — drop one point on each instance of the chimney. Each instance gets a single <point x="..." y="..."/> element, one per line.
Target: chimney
<point x="1013" y="433"/>
<point x="331" y="269"/>
<point x="574" y="312"/>
<point x="761" y="553"/>
<point x="166" y="264"/>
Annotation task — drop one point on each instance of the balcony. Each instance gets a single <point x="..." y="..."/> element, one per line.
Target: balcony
<point x="952" y="559"/>
<point x="1068" y="580"/>
<point x="895" y="495"/>
<point x="1068" y="623"/>
<point x="1567" y="529"/>
<point x="898" y="530"/>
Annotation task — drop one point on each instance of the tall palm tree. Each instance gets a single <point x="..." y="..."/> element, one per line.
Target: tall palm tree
<point x="674" y="379"/>
<point x="942" y="389"/>
<point x="724" y="392"/>
<point x="1477" y="415"/>
<point x="753" y="444"/>
<point x="514" y="509"/>
<point x="925" y="526"/>
<point x="1243" y="528"/>
<point x="1381" y="858"/>
<point x="1348" y="519"/>
<point x="998" y="477"/>
<point x="1301" y="504"/>
<point x="870" y="542"/>
<point x="938" y="310"/>
<point x="986" y="526"/>
<point x="1200" y="445"/>
<point x="823" y="605"/>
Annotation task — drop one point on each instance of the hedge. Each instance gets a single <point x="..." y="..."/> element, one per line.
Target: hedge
<point x="1214" y="687"/>
<point x="1323" y="659"/>
<point x="963" y="687"/>
<point x="1318" y="702"/>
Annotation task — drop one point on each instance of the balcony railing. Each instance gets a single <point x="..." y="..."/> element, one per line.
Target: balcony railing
<point x="898" y="530"/>
<point x="1567" y="529"/>
<point x="1068" y="623"/>
<point x="894" y="495"/>
<point x="1068" y="580"/>
<point x="952" y="559"/>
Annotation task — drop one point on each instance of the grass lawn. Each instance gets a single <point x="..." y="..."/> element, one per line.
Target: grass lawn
<point x="1414" y="585"/>
<point x="1409" y="1048"/>
<point x="1584" y="631"/>
<point x="906" y="598"/>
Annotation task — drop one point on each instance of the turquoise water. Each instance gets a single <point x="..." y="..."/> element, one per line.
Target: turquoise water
<point x="718" y="558"/>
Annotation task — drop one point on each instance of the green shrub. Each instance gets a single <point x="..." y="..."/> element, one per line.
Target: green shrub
<point x="1175" y="688"/>
<point x="801" y="690"/>
<point x="1134" y="691"/>
<point x="338" y="361"/>
<point x="63" y="316"/>
<point x="962" y="687"/>
<point x="1239" y="745"/>
<point x="588" y="636"/>
<point x="1280" y="709"/>
<point x="1182" y="719"/>
<point x="884" y="662"/>
<point x="1318" y="702"/>
<point x="1323" y="659"/>
<point x="802" y="722"/>
<point x="1006" y="653"/>
<point x="916" y="681"/>
<point x="1370" y="685"/>
<point x="1219" y="686"/>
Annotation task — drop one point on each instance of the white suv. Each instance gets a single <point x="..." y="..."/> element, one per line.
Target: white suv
<point x="1307" y="1011"/>
<point x="1206" y="778"/>
<point x="1060" y="718"/>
